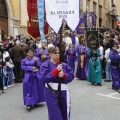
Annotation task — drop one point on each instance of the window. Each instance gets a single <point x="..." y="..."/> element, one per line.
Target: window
<point x="94" y="7"/>
<point x="88" y="4"/>
<point x="100" y="12"/>
<point x="112" y="24"/>
<point x="81" y="4"/>
<point x="100" y="22"/>
<point x="3" y="9"/>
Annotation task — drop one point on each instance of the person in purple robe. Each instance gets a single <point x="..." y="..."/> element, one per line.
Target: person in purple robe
<point x="33" y="87"/>
<point x="52" y="73"/>
<point x="115" y="70"/>
<point x="42" y="53"/>
<point x="71" y="56"/>
<point x="82" y="68"/>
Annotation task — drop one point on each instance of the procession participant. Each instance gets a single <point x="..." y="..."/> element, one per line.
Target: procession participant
<point x="33" y="88"/>
<point x="115" y="71"/>
<point x="49" y="42"/>
<point x="94" y="67"/>
<point x="38" y="43"/>
<point x="67" y="39"/>
<point x="42" y="53"/>
<point x="51" y="72"/>
<point x="76" y="41"/>
<point x="71" y="56"/>
<point x="82" y="68"/>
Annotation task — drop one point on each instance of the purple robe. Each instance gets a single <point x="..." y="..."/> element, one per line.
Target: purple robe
<point x="73" y="38"/>
<point x="115" y="72"/>
<point x="48" y="76"/>
<point x="33" y="87"/>
<point x="82" y="72"/>
<point x="71" y="56"/>
<point x="45" y="52"/>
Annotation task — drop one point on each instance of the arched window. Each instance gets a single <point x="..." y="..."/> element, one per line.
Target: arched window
<point x="3" y="9"/>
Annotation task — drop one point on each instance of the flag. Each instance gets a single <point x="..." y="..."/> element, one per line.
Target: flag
<point x="81" y="26"/>
<point x="33" y="23"/>
<point x="40" y="5"/>
<point x="59" y="10"/>
<point x="92" y="39"/>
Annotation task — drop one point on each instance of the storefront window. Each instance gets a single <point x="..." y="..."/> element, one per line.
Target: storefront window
<point x="3" y="9"/>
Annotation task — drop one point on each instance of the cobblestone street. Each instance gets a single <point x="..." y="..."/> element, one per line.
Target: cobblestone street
<point x="88" y="103"/>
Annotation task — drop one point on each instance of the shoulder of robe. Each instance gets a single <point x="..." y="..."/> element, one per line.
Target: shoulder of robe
<point x="46" y="63"/>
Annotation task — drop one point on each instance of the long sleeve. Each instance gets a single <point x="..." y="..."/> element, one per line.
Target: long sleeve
<point x="25" y="66"/>
<point x="4" y="72"/>
<point x="45" y="74"/>
<point x="51" y="75"/>
<point x="37" y="52"/>
<point x="69" y="74"/>
<point x="37" y="63"/>
<point x="114" y="56"/>
<point x="8" y="64"/>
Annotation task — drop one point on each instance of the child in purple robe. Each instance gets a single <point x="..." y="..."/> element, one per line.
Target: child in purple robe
<point x="115" y="67"/>
<point x="82" y="68"/>
<point x="52" y="73"/>
<point x="42" y="53"/>
<point x="71" y="56"/>
<point x="33" y="88"/>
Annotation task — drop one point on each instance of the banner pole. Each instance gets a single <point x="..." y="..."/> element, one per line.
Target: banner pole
<point x="59" y="85"/>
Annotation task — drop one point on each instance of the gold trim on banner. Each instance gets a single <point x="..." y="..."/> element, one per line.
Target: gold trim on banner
<point x="36" y="37"/>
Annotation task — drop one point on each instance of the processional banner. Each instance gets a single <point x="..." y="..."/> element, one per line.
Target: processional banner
<point x="33" y="22"/>
<point x="59" y="10"/>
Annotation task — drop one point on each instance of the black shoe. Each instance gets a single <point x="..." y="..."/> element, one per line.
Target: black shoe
<point x="3" y="91"/>
<point x="106" y="80"/>
<point x="28" y="107"/>
<point x="16" y="82"/>
<point x="99" y="84"/>
<point x="93" y="84"/>
<point x="118" y="90"/>
<point x="114" y="88"/>
<point x="20" y="81"/>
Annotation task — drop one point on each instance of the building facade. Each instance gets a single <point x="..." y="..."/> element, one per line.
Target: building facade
<point x="13" y="17"/>
<point x="105" y="11"/>
<point x="13" y="14"/>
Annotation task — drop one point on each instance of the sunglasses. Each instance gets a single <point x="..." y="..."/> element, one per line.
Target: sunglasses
<point x="56" y="52"/>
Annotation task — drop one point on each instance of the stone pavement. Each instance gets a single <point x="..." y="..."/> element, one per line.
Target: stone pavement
<point x="88" y="103"/>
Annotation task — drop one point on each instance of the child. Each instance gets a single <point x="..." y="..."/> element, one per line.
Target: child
<point x="33" y="88"/>
<point x="71" y="56"/>
<point x="10" y="67"/>
<point x="5" y="75"/>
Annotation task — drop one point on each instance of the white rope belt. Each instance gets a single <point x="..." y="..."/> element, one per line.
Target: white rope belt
<point x="54" y="86"/>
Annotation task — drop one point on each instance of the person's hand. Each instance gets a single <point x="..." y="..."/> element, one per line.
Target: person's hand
<point x="40" y="51"/>
<point x="35" y="68"/>
<point x="59" y="67"/>
<point x="43" y="56"/>
<point x="35" y="58"/>
<point x="60" y="74"/>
